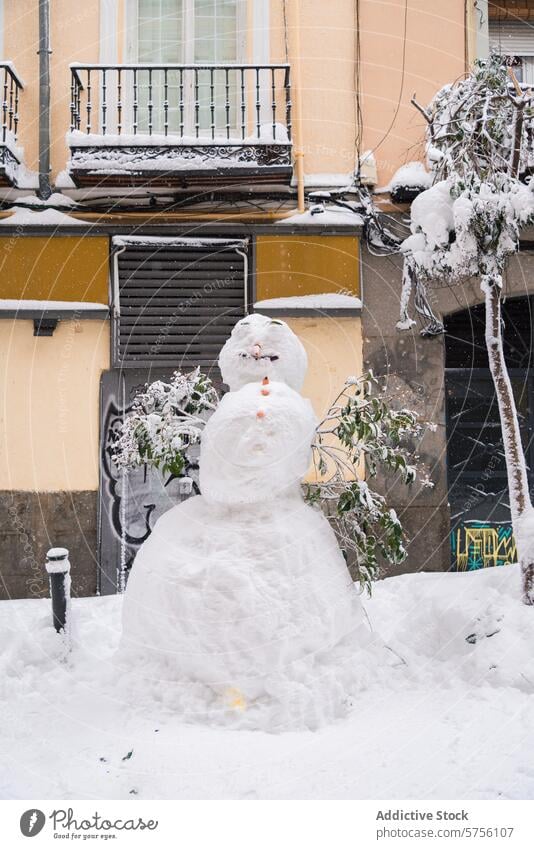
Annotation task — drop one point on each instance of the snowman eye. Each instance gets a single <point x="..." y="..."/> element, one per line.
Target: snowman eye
<point x="278" y="323"/>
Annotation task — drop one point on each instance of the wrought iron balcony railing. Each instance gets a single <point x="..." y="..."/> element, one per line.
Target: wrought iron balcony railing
<point x="9" y="153"/>
<point x="134" y="118"/>
<point x="214" y="101"/>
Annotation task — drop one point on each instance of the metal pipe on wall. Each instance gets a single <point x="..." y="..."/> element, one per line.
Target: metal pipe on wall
<point x="44" y="99"/>
<point x="294" y="7"/>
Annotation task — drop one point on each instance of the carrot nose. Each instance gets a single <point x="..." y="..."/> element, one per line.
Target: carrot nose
<point x="256" y="351"/>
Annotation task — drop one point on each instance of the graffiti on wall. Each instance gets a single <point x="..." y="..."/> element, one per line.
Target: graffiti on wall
<point x="130" y="503"/>
<point x="478" y="545"/>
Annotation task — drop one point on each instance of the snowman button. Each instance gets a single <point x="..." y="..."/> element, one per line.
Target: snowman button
<point x="260" y="414"/>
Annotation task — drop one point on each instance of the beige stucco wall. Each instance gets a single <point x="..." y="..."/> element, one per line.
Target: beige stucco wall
<point x="334" y="348"/>
<point x="392" y="69"/>
<point x="325" y="48"/>
<point x="49" y="405"/>
<point x="432" y="54"/>
<point x="435" y="52"/>
<point x="74" y="37"/>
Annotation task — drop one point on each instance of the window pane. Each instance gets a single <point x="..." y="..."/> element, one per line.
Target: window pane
<point x="216" y="42"/>
<point x="160" y="38"/>
<point x="216" y="31"/>
<point x="160" y="31"/>
<point x="209" y="36"/>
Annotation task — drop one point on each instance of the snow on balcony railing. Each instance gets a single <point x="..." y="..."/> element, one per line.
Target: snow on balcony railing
<point x="11" y="87"/>
<point x="221" y="103"/>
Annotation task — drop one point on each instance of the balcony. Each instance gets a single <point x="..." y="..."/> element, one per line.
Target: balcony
<point x="10" y="153"/>
<point x="180" y="125"/>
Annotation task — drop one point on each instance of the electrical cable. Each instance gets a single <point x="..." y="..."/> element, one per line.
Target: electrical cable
<point x="403" y="74"/>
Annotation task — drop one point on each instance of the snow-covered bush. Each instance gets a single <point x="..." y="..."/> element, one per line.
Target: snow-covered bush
<point x="165" y="421"/>
<point x="361" y="426"/>
<point x="467" y="223"/>
<point x="479" y="144"/>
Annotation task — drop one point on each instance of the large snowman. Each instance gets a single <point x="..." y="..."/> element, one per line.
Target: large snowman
<point x="240" y="599"/>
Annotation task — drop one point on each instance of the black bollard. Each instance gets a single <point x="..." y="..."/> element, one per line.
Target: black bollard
<point x="58" y="568"/>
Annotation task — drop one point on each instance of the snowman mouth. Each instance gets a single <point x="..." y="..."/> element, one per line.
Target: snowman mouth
<point x="271" y="357"/>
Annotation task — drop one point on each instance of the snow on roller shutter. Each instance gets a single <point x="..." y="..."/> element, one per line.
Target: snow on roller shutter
<point x="175" y="301"/>
<point x="512" y="38"/>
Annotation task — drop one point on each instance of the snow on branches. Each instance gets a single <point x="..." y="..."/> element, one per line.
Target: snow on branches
<point x="479" y="143"/>
<point x="360" y="425"/>
<point x="165" y="421"/>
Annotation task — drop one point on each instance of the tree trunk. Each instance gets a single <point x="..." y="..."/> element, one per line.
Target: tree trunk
<point x="520" y="504"/>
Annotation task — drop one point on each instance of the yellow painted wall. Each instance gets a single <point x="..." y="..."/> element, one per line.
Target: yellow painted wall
<point x="59" y="268"/>
<point x="49" y="413"/>
<point x="306" y="265"/>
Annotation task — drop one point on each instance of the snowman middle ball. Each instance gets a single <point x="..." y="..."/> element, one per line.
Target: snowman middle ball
<point x="256" y="446"/>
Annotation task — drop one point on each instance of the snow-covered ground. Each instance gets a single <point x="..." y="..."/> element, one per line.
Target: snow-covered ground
<point x="454" y="720"/>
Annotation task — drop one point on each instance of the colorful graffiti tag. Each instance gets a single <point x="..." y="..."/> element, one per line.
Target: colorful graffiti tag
<point x="480" y="545"/>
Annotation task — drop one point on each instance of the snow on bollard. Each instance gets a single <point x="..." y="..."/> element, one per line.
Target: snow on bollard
<point x="185" y="486"/>
<point x="58" y="568"/>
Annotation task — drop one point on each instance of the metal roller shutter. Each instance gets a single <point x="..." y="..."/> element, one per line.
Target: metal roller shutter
<point x="512" y="38"/>
<point x="175" y="301"/>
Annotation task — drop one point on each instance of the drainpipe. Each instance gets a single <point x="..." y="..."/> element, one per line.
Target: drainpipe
<point x="44" y="100"/>
<point x="294" y="6"/>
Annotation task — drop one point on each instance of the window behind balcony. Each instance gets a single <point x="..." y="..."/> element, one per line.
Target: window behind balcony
<point x="188" y="32"/>
<point x="515" y="39"/>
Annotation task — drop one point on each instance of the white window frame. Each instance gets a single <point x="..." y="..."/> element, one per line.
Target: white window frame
<point x="108" y="54"/>
<point x="131" y="30"/>
<point x="110" y="35"/>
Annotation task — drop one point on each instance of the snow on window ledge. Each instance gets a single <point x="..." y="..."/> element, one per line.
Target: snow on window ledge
<point x="328" y="303"/>
<point x="27" y="309"/>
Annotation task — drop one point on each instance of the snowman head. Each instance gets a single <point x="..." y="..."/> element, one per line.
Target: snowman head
<point x="262" y="347"/>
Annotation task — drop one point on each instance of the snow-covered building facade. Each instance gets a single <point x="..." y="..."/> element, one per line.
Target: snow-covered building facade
<point x="192" y="144"/>
<point x="183" y="136"/>
<point x="464" y="522"/>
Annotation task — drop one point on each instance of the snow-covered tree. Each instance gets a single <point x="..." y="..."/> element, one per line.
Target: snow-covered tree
<point x="467" y="224"/>
<point x="165" y="422"/>
<point x="361" y="427"/>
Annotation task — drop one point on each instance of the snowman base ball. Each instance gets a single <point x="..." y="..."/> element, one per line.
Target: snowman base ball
<point x="247" y="616"/>
<point x="239" y="608"/>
